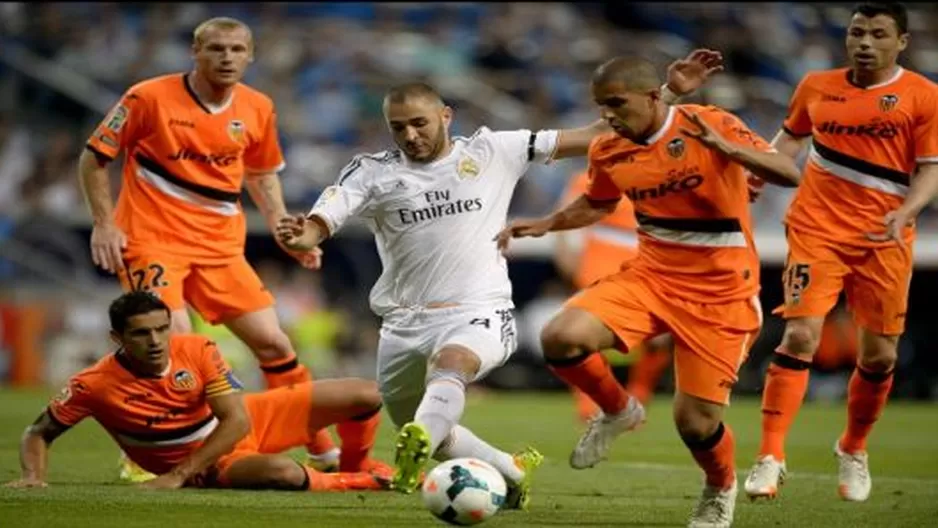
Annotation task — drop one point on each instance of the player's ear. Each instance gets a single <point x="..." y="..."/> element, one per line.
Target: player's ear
<point x="447" y="114"/>
<point x="903" y="42"/>
<point x="115" y="338"/>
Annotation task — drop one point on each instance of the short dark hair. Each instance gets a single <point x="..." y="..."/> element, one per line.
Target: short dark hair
<point x="894" y="10"/>
<point x="131" y="304"/>
<point x="402" y="92"/>
<point x="636" y="73"/>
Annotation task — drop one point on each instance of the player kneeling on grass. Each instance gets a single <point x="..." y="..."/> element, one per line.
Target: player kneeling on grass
<point x="175" y="408"/>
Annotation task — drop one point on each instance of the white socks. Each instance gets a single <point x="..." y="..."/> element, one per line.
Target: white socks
<point x="441" y="408"/>
<point x="462" y="443"/>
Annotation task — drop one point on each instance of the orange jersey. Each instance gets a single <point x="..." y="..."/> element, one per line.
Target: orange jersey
<point x="185" y="165"/>
<point x="866" y="144"/>
<point x="609" y="242"/>
<point x="691" y="202"/>
<point x="157" y="421"/>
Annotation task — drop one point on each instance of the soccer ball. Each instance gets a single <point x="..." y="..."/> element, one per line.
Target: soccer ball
<point x="464" y="491"/>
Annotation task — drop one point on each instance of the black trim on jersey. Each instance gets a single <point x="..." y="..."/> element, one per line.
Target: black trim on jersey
<point x="201" y="190"/>
<point x="98" y="154"/>
<point x="698" y="225"/>
<point x="600" y="204"/>
<point x="164" y="436"/>
<point x="792" y="133"/>
<point x="191" y="92"/>
<point x="859" y="165"/>
<point x="58" y="423"/>
<point x="531" y="139"/>
<point x="122" y="360"/>
<point x="356" y="163"/>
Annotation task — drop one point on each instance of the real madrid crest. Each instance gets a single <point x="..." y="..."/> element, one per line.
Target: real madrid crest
<point x="888" y="102"/>
<point x="467" y="169"/>
<point x="676" y="148"/>
<point x="183" y="380"/>
<point x="236" y="131"/>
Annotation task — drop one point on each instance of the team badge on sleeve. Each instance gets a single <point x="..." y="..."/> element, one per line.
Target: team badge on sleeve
<point x="118" y="118"/>
<point x="326" y="195"/>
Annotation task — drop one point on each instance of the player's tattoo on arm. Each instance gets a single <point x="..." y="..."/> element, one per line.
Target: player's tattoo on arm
<point x="267" y="193"/>
<point x="96" y="187"/>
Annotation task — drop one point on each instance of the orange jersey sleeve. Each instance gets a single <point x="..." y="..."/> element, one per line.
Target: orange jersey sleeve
<point x="925" y="131"/>
<point x="124" y="125"/>
<point x="600" y="186"/>
<point x="219" y="379"/>
<point x="734" y="130"/>
<point x="74" y="403"/>
<point x="264" y="155"/>
<point x="798" y="120"/>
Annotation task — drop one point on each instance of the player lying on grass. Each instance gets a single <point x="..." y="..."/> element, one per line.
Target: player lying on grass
<point x="434" y="205"/>
<point x="175" y="408"/>
<point x="696" y="275"/>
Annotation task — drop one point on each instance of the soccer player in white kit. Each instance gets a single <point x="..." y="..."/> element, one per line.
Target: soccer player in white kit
<point x="435" y="206"/>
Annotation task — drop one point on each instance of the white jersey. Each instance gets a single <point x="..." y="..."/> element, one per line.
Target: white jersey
<point x="435" y="223"/>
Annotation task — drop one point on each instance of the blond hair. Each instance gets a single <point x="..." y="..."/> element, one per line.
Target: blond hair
<point x="222" y="23"/>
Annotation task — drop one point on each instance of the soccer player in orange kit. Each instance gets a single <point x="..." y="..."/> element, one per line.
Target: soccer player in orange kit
<point x="696" y="275"/>
<point x="191" y="141"/>
<point x="175" y="408"/>
<point x="872" y="167"/>
<point x="606" y="246"/>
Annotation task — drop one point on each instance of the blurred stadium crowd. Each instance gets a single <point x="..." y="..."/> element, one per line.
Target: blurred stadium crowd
<point x="326" y="65"/>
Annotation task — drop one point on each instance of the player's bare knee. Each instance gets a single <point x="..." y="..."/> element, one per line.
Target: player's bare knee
<point x="566" y="337"/>
<point x="456" y="359"/>
<point x="270" y="345"/>
<point x="696" y="419"/>
<point x="364" y="397"/>
<point x="284" y="473"/>
<point x="878" y="353"/>
<point x="802" y="338"/>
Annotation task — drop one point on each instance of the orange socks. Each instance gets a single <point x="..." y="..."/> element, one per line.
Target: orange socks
<point x="645" y="373"/>
<point x="785" y="386"/>
<point x="289" y="371"/>
<point x="866" y="399"/>
<point x="591" y="374"/>
<point x="716" y="456"/>
<point x="358" y="437"/>
<point x="586" y="408"/>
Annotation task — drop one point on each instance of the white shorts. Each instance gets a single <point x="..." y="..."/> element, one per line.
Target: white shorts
<point x="409" y="338"/>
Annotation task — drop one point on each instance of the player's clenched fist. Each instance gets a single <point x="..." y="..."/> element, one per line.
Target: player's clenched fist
<point x="107" y="246"/>
<point x="521" y="229"/>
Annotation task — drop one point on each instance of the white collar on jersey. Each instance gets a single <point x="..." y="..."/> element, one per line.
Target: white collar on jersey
<point x="895" y="77"/>
<point x="664" y="128"/>
<point x="213" y="108"/>
<point x="454" y="147"/>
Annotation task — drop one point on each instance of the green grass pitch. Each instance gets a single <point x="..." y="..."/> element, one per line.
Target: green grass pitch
<point x="650" y="479"/>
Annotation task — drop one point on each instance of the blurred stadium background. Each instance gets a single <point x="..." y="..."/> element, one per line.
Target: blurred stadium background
<point x="326" y="66"/>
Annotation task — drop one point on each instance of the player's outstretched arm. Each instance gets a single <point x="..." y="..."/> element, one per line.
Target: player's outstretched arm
<point x="768" y="165"/>
<point x="107" y="240"/>
<point x="233" y="425"/>
<point x="34" y="451"/>
<point x="580" y="213"/>
<point x="685" y="76"/>
<point x="922" y="191"/>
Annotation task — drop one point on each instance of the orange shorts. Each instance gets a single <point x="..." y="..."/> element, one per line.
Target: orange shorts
<point x="218" y="291"/>
<point x="876" y="281"/>
<point x="711" y="340"/>
<point x="280" y="420"/>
